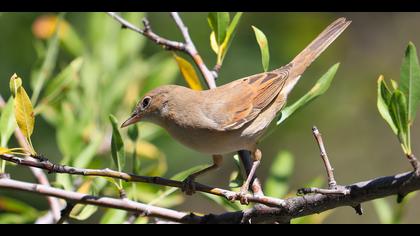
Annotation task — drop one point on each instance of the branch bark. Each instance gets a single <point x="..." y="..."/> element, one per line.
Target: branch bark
<point x="60" y="169"/>
<point x="123" y="204"/>
<point x="291" y="208"/>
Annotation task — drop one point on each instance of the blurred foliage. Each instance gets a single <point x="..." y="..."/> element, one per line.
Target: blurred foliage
<point x="85" y="68"/>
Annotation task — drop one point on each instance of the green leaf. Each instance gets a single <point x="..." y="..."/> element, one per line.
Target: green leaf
<point x="48" y="65"/>
<point x="83" y="212"/>
<point x="133" y="132"/>
<point x="398" y="111"/>
<point x="318" y="89"/>
<point x="113" y="216"/>
<point x="7" y="123"/>
<point x="383" y="210"/>
<point x="87" y="153"/>
<point x="384" y="99"/>
<point x="262" y="42"/>
<point x="410" y="80"/>
<point x="219" y="22"/>
<point x="117" y="145"/>
<point x="63" y="80"/>
<point x="222" y="49"/>
<point x="277" y="184"/>
<point x="16" y="212"/>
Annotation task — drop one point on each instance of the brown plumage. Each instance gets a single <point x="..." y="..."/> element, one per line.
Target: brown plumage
<point x="234" y="116"/>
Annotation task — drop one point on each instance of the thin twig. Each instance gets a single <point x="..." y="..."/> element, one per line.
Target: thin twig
<point x="60" y="169"/>
<point x="187" y="47"/>
<point x="122" y="204"/>
<point x="147" y="32"/>
<point x="333" y="188"/>
<point x="330" y="171"/>
<point x="192" y="51"/>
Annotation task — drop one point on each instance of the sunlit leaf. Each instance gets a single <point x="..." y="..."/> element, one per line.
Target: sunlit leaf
<point x="263" y="43"/>
<point x="24" y="113"/>
<point x="213" y="43"/>
<point x="384" y="98"/>
<point x="7" y="123"/>
<point x="318" y="89"/>
<point x="219" y="22"/>
<point x="4" y="150"/>
<point x="281" y="170"/>
<point x="398" y="112"/>
<point x="188" y="73"/>
<point x="230" y="34"/>
<point x="410" y="80"/>
<point x="15" y="83"/>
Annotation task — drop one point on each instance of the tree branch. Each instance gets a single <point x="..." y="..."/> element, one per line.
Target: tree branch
<point x="123" y="204"/>
<point x="290" y="209"/>
<point x="60" y="169"/>
<point x="187" y="47"/>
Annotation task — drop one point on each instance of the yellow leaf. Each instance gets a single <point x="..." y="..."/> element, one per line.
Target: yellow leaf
<point x="4" y="150"/>
<point x="85" y="187"/>
<point x="24" y="113"/>
<point x="213" y="43"/>
<point x="188" y="72"/>
<point x="15" y="83"/>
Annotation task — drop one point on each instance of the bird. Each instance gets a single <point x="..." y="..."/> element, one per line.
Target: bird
<point x="233" y="116"/>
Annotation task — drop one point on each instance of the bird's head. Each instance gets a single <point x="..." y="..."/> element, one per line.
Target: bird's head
<point x="151" y="107"/>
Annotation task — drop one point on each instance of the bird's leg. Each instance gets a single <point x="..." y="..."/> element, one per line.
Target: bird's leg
<point x="256" y="155"/>
<point x="189" y="183"/>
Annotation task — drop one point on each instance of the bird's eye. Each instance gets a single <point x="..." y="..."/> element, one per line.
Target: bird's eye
<point x="146" y="102"/>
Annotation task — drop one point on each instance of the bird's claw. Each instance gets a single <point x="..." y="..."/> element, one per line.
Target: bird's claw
<point x="188" y="186"/>
<point x="241" y="196"/>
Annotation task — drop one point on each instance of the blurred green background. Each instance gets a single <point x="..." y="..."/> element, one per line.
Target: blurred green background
<point x="359" y="143"/>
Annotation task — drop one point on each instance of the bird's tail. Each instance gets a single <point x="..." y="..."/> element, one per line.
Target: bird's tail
<point x="315" y="48"/>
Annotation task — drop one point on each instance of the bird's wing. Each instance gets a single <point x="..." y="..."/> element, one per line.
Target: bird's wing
<point x="247" y="97"/>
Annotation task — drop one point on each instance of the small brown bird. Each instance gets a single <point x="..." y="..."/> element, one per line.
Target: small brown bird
<point x="231" y="117"/>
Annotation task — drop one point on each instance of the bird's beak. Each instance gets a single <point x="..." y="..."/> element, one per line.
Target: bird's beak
<point x="134" y="118"/>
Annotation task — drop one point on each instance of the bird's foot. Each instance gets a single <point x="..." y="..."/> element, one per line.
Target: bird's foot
<point x="188" y="185"/>
<point x="241" y="196"/>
